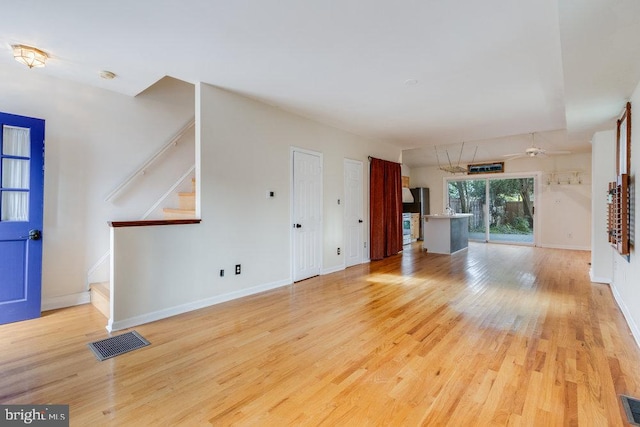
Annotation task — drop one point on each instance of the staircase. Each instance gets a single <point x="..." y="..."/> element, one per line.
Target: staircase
<point x="186" y="203"/>
<point x="99" y="292"/>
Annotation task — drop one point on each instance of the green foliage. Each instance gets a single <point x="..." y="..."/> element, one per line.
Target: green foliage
<point x="506" y="229"/>
<point x="518" y="225"/>
<point x="473" y="189"/>
<point x="520" y="228"/>
<point x="522" y="225"/>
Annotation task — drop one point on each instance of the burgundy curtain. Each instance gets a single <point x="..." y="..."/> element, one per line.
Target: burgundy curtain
<point x="385" y="200"/>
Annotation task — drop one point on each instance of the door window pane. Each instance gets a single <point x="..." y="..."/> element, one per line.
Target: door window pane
<point x="511" y="210"/>
<point x="16" y="141"/>
<point x="15" y="206"/>
<point x="468" y="196"/>
<point x="15" y="173"/>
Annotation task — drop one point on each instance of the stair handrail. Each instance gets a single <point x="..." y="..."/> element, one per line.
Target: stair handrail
<point x="143" y="169"/>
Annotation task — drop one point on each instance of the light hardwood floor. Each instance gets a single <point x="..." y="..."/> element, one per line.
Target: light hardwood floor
<point x="497" y="335"/>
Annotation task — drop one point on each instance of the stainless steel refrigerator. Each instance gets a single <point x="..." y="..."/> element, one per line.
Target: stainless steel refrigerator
<point x="420" y="205"/>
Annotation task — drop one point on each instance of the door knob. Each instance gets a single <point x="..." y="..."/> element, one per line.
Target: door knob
<point x="298" y="225"/>
<point x="360" y="221"/>
<point x="35" y="234"/>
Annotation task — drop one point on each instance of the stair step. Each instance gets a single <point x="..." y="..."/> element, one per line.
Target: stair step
<point x="187" y="201"/>
<point x="100" y="296"/>
<point x="170" y="213"/>
<point x="102" y="288"/>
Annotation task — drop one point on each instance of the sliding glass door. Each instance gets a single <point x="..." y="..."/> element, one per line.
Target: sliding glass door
<point x="511" y="210"/>
<point x="502" y="208"/>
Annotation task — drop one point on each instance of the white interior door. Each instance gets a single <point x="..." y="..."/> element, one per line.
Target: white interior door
<point x="353" y="213"/>
<point x="307" y="214"/>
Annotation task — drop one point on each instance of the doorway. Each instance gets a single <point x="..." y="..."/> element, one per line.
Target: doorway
<point x="353" y="213"/>
<point x="503" y="208"/>
<point x="21" y="208"/>
<point x="306" y="213"/>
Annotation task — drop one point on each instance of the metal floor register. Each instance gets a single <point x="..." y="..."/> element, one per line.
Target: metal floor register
<point x="115" y="346"/>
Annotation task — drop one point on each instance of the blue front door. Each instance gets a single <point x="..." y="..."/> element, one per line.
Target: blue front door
<point x="21" y="205"/>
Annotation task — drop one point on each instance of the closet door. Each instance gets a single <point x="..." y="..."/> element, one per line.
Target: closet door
<point x="307" y="214"/>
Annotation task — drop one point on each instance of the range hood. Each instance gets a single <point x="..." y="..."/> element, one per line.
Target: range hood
<point x="407" y="197"/>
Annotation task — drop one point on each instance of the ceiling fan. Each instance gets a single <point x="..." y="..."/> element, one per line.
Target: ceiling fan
<point x="534" y="151"/>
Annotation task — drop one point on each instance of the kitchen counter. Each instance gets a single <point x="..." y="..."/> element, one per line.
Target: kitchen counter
<point x="446" y="234"/>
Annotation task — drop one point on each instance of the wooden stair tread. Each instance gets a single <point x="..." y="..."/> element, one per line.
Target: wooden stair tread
<point x="173" y="213"/>
<point x="187" y="201"/>
<point x="186" y="205"/>
<point x="102" y="288"/>
<point x="179" y="211"/>
<point x="100" y="296"/>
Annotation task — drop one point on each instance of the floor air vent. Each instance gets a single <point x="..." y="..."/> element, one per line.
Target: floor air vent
<point x="632" y="408"/>
<point x="114" y="346"/>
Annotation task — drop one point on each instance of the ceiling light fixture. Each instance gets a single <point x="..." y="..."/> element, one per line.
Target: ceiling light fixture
<point x="29" y="56"/>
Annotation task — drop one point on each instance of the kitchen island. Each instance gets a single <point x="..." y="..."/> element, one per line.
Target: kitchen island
<point x="446" y="234"/>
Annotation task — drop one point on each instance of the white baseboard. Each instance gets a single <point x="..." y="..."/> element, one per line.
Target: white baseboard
<point x="635" y="331"/>
<point x="191" y="306"/>
<point x="332" y="269"/>
<point x="64" y="301"/>
<point x="567" y="247"/>
<point x="459" y="250"/>
<point x="341" y="267"/>
<point x="596" y="279"/>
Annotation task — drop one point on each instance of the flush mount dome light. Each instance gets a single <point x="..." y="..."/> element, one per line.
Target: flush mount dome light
<point x="107" y="75"/>
<point x="29" y="56"/>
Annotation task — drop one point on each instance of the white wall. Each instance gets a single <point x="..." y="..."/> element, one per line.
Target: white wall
<point x="603" y="146"/>
<point x="243" y="150"/>
<point x="93" y="139"/>
<point x="625" y="284"/>
<point x="564" y="209"/>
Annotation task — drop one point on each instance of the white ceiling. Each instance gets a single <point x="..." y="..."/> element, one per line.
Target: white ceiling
<point x="487" y="72"/>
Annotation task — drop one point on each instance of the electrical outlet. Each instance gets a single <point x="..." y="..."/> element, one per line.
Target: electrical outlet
<point x="237" y="268"/>
<point x="221" y="273"/>
<point x="338" y="251"/>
